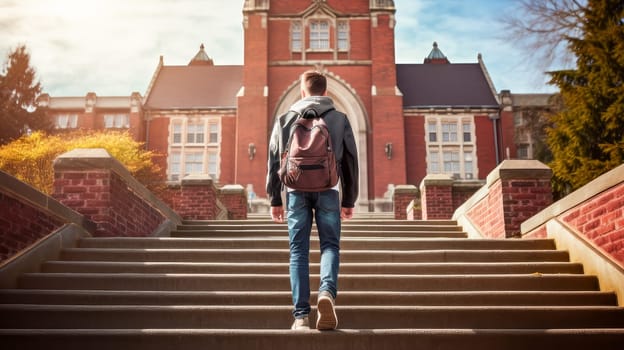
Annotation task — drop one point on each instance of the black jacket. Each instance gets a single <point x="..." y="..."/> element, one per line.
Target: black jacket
<point x="343" y="142"/>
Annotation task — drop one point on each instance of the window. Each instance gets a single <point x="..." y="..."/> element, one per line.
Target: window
<point x="449" y="132"/>
<point x="116" y="121"/>
<point x="523" y="152"/>
<point x="177" y="132"/>
<point x="195" y="132"/>
<point x="295" y="36"/>
<point x="451" y="162"/>
<point x="467" y="132"/>
<point x="194" y="163"/>
<point x="468" y="169"/>
<point x="174" y="167"/>
<point x="213" y="136"/>
<point x="343" y="36"/>
<point x="212" y="164"/>
<point x="319" y="35"/>
<point x="194" y="147"/>
<point x="433" y="132"/>
<point x="66" y="121"/>
<point x="434" y="162"/>
<point x="450" y="152"/>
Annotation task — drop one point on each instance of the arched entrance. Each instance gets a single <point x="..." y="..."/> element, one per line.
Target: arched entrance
<point x="346" y="100"/>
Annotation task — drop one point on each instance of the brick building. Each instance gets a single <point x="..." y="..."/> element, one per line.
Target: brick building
<point x="409" y="119"/>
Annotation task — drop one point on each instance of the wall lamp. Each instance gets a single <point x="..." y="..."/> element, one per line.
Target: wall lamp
<point x="388" y="150"/>
<point x="251" y="150"/>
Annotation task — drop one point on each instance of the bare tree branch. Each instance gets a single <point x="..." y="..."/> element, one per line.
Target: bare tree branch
<point x="544" y="28"/>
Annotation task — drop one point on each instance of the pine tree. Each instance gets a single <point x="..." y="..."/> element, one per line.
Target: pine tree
<point x="19" y="90"/>
<point x="587" y="137"/>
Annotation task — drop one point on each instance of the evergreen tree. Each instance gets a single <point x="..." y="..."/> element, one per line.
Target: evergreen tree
<point x="19" y="90"/>
<point x="587" y="137"/>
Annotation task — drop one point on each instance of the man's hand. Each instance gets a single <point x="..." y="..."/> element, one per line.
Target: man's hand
<point x="346" y="213"/>
<point x="277" y="214"/>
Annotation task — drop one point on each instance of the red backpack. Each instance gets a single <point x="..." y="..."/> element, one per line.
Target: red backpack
<point x="308" y="163"/>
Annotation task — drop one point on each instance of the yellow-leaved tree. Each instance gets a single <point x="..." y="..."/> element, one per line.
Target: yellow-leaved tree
<point x="30" y="158"/>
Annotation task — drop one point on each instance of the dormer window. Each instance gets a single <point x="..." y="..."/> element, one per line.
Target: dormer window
<point x="319" y="35"/>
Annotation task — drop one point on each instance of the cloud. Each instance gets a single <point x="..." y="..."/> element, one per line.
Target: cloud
<point x="112" y="47"/>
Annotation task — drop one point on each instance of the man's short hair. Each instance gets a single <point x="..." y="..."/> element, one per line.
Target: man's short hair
<point x="314" y="82"/>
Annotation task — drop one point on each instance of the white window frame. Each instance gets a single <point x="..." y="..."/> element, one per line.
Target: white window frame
<point x="296" y="36"/>
<point x="318" y="31"/>
<point x="116" y="121"/>
<point x="194" y="146"/>
<point x="449" y="153"/>
<point x="343" y="36"/>
<point x="66" y="121"/>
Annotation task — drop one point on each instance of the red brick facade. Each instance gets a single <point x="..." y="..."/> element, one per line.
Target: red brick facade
<point x="391" y="130"/>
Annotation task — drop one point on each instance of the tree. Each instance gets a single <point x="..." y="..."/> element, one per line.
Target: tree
<point x="19" y="89"/>
<point x="30" y="158"/>
<point x="587" y="137"/>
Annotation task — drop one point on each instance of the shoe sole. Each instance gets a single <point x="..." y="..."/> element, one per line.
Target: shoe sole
<point x="326" y="319"/>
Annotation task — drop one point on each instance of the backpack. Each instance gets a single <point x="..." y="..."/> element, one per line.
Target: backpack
<point x="308" y="163"/>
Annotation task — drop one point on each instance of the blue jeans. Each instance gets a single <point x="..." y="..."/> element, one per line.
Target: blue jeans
<point x="326" y="209"/>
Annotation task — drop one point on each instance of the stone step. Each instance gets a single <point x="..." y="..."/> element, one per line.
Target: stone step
<point x="280" y="282"/>
<point x="469" y="298"/>
<point x="348" y="223"/>
<point x="232" y="339"/>
<point x="282" y="255"/>
<point x="387" y="227"/>
<point x="263" y="233"/>
<point x="277" y="268"/>
<point x="18" y="316"/>
<point x="348" y="243"/>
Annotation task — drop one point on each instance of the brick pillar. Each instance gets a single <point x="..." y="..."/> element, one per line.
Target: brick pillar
<point x="196" y="199"/>
<point x="402" y="197"/>
<point x="234" y="197"/>
<point x="436" y="197"/>
<point x="525" y="190"/>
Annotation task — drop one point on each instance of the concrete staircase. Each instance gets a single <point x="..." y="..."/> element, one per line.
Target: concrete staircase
<point x="225" y="285"/>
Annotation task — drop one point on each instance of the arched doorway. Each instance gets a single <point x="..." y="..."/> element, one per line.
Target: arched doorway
<point x="346" y="100"/>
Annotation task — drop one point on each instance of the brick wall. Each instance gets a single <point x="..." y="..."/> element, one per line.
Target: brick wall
<point x="436" y="197"/>
<point x="598" y="217"/>
<point x="21" y="225"/>
<point x="27" y="216"/>
<point x="601" y="221"/>
<point x="234" y="198"/>
<point x="515" y="191"/>
<point x="197" y="198"/>
<point x="96" y="185"/>
<point x="403" y="198"/>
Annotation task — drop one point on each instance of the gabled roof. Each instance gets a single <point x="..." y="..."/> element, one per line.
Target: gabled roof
<point x="195" y="87"/>
<point x="444" y="85"/>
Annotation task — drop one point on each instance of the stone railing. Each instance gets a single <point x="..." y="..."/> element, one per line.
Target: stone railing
<point x="589" y="224"/>
<point x="96" y="185"/>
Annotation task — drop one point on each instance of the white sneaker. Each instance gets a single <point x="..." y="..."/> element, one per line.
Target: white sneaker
<point x="326" y="314"/>
<point x="301" y="324"/>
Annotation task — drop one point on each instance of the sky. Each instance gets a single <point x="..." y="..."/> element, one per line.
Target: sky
<point x="112" y="47"/>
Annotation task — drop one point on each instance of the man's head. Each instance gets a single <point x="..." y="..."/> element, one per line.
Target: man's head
<point x="313" y="83"/>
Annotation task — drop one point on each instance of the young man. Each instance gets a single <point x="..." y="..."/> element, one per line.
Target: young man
<point x="325" y="206"/>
